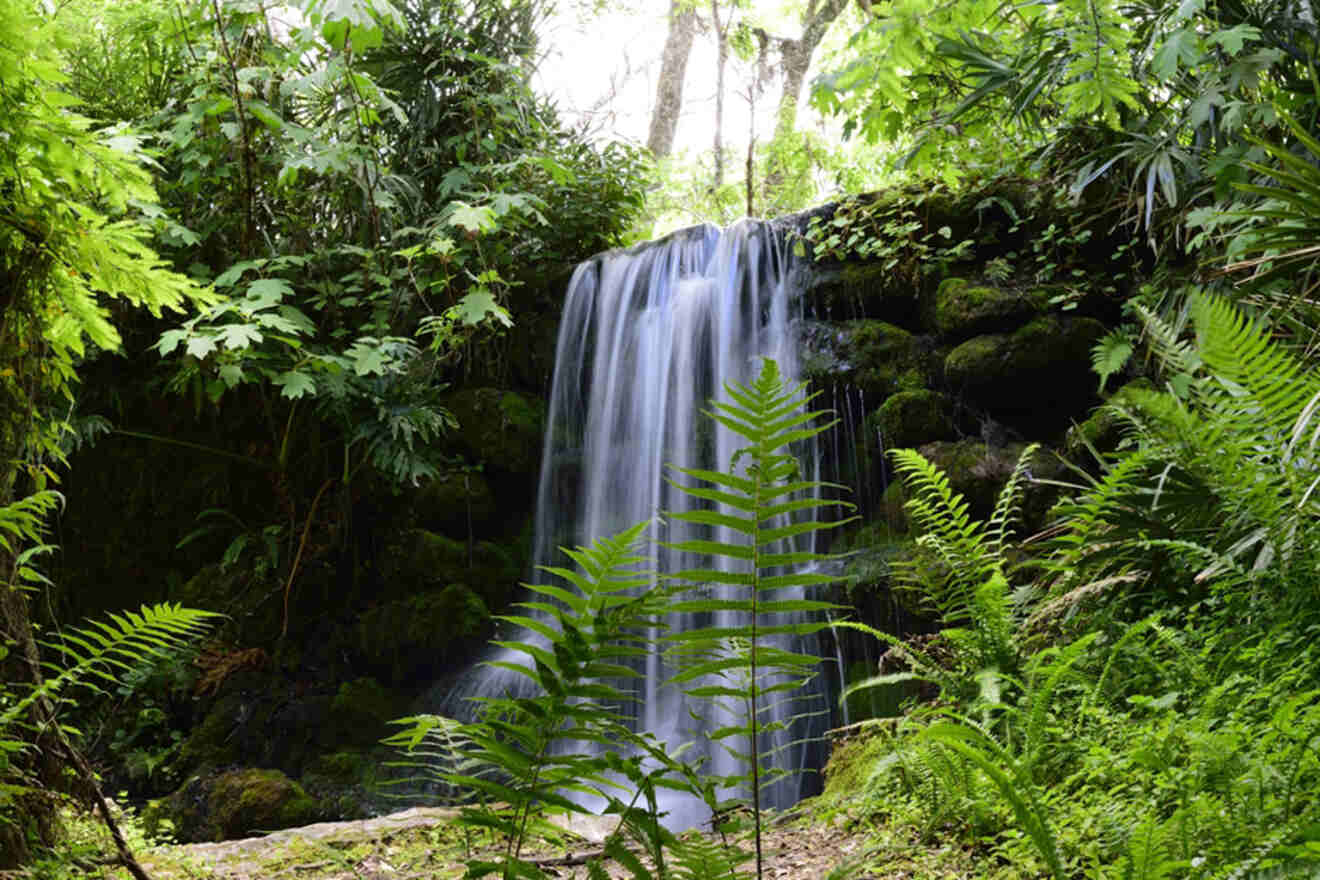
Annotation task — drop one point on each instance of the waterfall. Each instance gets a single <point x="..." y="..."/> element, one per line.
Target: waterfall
<point x="648" y="337"/>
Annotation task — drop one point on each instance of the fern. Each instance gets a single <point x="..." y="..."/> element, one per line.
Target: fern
<point x="1111" y="354"/>
<point x="1260" y="387"/>
<point x="1011" y="778"/>
<point x="102" y="650"/>
<point x="1224" y="478"/>
<point x="755" y="515"/>
<point x="437" y="747"/>
<point x="580" y="638"/>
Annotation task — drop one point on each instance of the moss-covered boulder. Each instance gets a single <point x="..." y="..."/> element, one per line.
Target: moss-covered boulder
<point x="1103" y="428"/>
<point x="455" y="502"/>
<point x="978" y="471"/>
<point x="1035" y="379"/>
<point x="964" y="309"/>
<point x="236" y="803"/>
<point x="420" y="561"/>
<point x="910" y="418"/>
<point x="875" y="356"/>
<point x="358" y="714"/>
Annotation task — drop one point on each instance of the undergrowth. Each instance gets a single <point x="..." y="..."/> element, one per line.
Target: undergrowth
<point x="1150" y="707"/>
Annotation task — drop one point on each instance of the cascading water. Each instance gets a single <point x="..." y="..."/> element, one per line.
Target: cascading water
<point x="648" y="336"/>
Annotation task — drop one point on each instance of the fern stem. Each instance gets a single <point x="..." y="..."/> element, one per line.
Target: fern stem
<point x="762" y="453"/>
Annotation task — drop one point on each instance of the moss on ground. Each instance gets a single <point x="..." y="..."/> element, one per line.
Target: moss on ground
<point x="236" y="803"/>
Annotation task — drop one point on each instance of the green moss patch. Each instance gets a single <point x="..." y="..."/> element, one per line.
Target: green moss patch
<point x="882" y="358"/>
<point x="964" y="309"/>
<point x="237" y="803"/>
<point x="910" y="418"/>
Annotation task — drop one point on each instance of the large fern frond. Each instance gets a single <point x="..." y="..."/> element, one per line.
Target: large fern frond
<point x="1260" y="385"/>
<point x="104" y="650"/>
<point x="962" y="544"/>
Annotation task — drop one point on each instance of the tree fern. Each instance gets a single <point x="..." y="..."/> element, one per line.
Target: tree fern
<point x="756" y="512"/>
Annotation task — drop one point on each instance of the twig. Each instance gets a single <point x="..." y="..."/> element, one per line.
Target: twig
<point x="302" y="545"/>
<point x="567" y="861"/>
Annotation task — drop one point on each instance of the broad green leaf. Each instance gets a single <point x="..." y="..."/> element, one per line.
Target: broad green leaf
<point x="235" y="336"/>
<point x="294" y="384"/>
<point x="478" y="305"/>
<point x="1180" y="47"/>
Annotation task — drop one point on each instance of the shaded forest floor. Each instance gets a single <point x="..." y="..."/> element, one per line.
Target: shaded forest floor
<point x="426" y="843"/>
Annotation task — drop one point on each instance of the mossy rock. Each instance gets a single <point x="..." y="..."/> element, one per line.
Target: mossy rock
<point x="499" y="428"/>
<point x="875" y="356"/>
<point x="1102" y="430"/>
<point x="851" y="764"/>
<point x="240" y="593"/>
<point x="893" y="507"/>
<point x="1035" y="379"/>
<point x="909" y="418"/>
<point x="238" y="725"/>
<point x="413" y="638"/>
<point x="345" y="767"/>
<point x="964" y="309"/>
<point x="358" y="714"/>
<point x="422" y="561"/>
<point x="453" y="502"/>
<point x="236" y="803"/>
<point x="978" y="471"/>
<point x="865" y="288"/>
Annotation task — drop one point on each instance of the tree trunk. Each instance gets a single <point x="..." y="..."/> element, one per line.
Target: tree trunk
<point x="32" y="817"/>
<point x="795" y="58"/>
<point x="673" y="70"/>
<point x="722" y="60"/>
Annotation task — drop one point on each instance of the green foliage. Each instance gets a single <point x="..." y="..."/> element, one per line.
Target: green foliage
<point x="580" y="639"/>
<point x="1235" y="426"/>
<point x="757" y="513"/>
<point x="1111" y="354"/>
<point x="95" y="655"/>
<point x="892" y="232"/>
<point x="1273" y="239"/>
<point x="1160" y="104"/>
<point x="960" y="570"/>
<point x="1130" y="743"/>
<point x="367" y="186"/>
